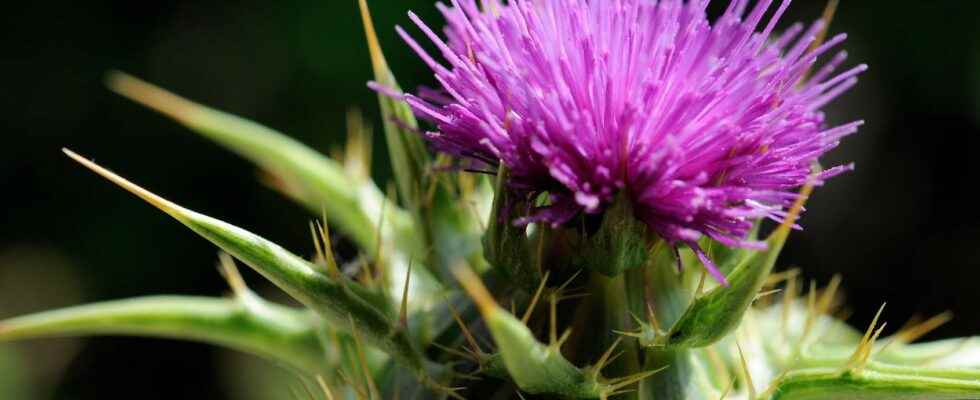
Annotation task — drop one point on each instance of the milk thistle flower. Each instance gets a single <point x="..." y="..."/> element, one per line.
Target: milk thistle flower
<point x="636" y="114"/>
<point x="705" y="127"/>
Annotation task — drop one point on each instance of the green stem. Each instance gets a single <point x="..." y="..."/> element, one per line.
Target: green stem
<point x="669" y="296"/>
<point x="617" y="315"/>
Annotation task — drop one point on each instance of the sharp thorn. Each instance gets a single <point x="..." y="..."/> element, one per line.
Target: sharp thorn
<point x="631" y="379"/>
<point x="328" y="256"/>
<point x="154" y="200"/>
<point x="605" y="357"/>
<point x="323" y="386"/>
<point x="475" y="347"/>
<point x="652" y="316"/>
<point x="553" y="318"/>
<point x="447" y="349"/>
<point x="535" y="298"/>
<point x="475" y="288"/>
<point x="745" y="368"/>
<point x="561" y="340"/>
<point x="859" y="357"/>
<point x="230" y="272"/>
<point x="569" y="281"/>
<point x="403" y="314"/>
<point x="362" y="358"/>
<point x="700" y="290"/>
<point x="767" y="293"/>
<point x="919" y="330"/>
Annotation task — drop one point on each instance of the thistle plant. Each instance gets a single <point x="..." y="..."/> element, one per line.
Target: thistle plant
<point x="578" y="212"/>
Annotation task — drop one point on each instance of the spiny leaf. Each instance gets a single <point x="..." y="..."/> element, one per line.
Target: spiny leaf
<point x="720" y="311"/>
<point x="271" y="331"/>
<point x="949" y="353"/>
<point x="535" y="367"/>
<point x="871" y="385"/>
<point x="339" y="300"/>
<point x="409" y="157"/>
<point x="315" y="180"/>
<point x="447" y="229"/>
<point x="923" y="371"/>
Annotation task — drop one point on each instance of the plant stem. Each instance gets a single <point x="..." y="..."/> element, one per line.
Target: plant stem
<point x="616" y="316"/>
<point x="667" y="297"/>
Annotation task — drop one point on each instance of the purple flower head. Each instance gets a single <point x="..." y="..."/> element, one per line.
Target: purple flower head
<point x="706" y="127"/>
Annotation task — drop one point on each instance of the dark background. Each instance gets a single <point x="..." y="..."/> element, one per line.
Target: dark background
<point x="903" y="228"/>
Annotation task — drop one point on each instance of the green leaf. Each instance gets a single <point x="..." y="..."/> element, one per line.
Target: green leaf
<point x="341" y="301"/>
<point x="871" y="385"/>
<point x="271" y="331"/>
<point x="320" y="183"/>
<point x="447" y="229"/>
<point x="353" y="201"/>
<point x="409" y="157"/>
<point x="719" y="312"/>
<point x="948" y="353"/>
<point x="951" y="354"/>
